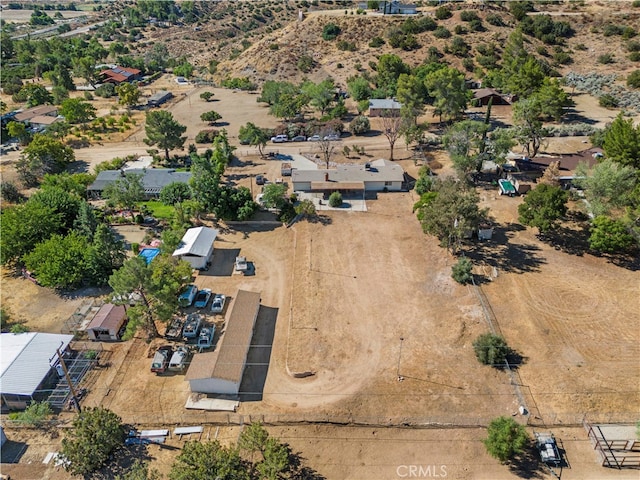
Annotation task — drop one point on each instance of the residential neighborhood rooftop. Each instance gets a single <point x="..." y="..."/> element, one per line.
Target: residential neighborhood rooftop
<point x="380" y="170"/>
<point x="153" y="179"/>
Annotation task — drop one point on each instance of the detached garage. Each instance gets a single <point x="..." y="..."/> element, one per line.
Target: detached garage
<point x="196" y="247"/>
<point x="220" y="372"/>
<point x="108" y="324"/>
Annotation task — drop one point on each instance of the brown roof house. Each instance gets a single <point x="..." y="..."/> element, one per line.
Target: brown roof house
<point x="483" y="95"/>
<point x="118" y="75"/>
<point x="27" y="116"/>
<point x="220" y="372"/>
<point x="108" y="324"/>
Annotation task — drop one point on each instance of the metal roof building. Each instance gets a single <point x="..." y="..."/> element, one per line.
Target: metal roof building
<point x="108" y="324"/>
<point x="220" y="372"/>
<point x="153" y="180"/>
<point x="26" y="363"/>
<point x="196" y="246"/>
<point x="384" y="107"/>
<point x="375" y="176"/>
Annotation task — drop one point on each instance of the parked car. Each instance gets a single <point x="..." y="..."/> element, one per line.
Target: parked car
<point x="187" y="296"/>
<point x="174" y="332"/>
<point x="161" y="359"/>
<point x="314" y="138"/>
<point x="192" y="326"/>
<point x="299" y="138"/>
<point x="205" y="340"/>
<point x="178" y="360"/>
<point x="260" y="180"/>
<point x="332" y="137"/>
<point x="202" y="298"/>
<point x="241" y="264"/>
<point x="217" y="306"/>
<point x="280" y="139"/>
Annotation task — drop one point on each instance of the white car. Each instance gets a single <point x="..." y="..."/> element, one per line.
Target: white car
<point x="314" y="138"/>
<point x="187" y="296"/>
<point x="280" y="139"/>
<point x="332" y="137"/>
<point x="217" y="306"/>
<point x="202" y="298"/>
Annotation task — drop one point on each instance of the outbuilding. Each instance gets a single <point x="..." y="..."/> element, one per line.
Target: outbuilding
<point x="196" y="246"/>
<point x="108" y="324"/>
<point x="28" y="366"/>
<point x="385" y="107"/>
<point x="220" y="372"/>
<point x="159" y="98"/>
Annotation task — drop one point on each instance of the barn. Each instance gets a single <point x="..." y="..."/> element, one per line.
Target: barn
<point x="108" y="324"/>
<point x="196" y="247"/>
<point x="27" y="366"/>
<point x="220" y="372"/>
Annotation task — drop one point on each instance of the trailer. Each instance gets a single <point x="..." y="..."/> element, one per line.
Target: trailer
<point x="548" y="451"/>
<point x="192" y="326"/>
<point x="506" y="187"/>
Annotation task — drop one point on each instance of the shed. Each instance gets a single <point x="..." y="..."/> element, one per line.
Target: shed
<point x="385" y="107"/>
<point x="108" y="324"/>
<point x="220" y="372"/>
<point x="196" y="246"/>
<point x="27" y="366"/>
<point x="159" y="98"/>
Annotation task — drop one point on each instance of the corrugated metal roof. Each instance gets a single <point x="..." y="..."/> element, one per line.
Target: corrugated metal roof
<point x="227" y="362"/>
<point x="384" y="104"/>
<point x="25" y="360"/>
<point x="196" y="241"/>
<point x="109" y="316"/>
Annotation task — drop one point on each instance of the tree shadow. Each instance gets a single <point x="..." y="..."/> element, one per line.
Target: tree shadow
<point x="503" y="255"/>
<point x="120" y="462"/>
<point x="321" y="219"/>
<point x="574" y="241"/>
<point x="526" y="464"/>
<point x="299" y="471"/>
<point x="236" y="162"/>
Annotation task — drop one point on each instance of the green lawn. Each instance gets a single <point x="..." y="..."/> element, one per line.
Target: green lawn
<point x="159" y="210"/>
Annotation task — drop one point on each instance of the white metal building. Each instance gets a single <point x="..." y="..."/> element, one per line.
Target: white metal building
<point x="27" y="362"/>
<point x="220" y="372"/>
<point x="196" y="247"/>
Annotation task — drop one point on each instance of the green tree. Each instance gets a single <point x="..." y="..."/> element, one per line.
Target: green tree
<point x="23" y="227"/>
<point x="208" y="460"/>
<point x="207" y="96"/>
<point x="162" y="130"/>
<point x="86" y="222"/>
<point x="410" y="93"/>
<point x="321" y="95"/>
<point x="330" y="31"/>
<point x="527" y="115"/>
<point x="75" y="183"/>
<point x="272" y="91"/>
<point x="608" y="185"/>
<point x="157" y="284"/>
<point x="59" y="262"/>
<point x="306" y="208"/>
<point x="542" y="207"/>
<point x="60" y="201"/>
<point x="622" y="142"/>
<point x="35" y="415"/>
<point x="288" y="106"/>
<point x="126" y="191"/>
<point x="254" y="136"/>
<point x="128" y="94"/>
<point x="553" y="99"/>
<point x="75" y="111"/>
<point x="359" y="88"/>
<point x="183" y="70"/>
<point x="506" y="438"/>
<point x="43" y="155"/>
<point x="633" y="80"/>
<point x="449" y="91"/>
<point x="95" y="434"/>
<point x="9" y="193"/>
<point x="389" y="68"/>
<point x="106" y="255"/>
<point x="451" y="212"/>
<point x="461" y="271"/>
<point x="274" y="195"/>
<point x="211" y="116"/>
<point x="610" y="236"/>
<point x="465" y="143"/>
<point x="84" y="68"/>
<point x="140" y="471"/>
<point x="498" y="144"/>
<point x="275" y="461"/>
<point x="18" y="130"/>
<point x="36" y="94"/>
<point x="491" y="349"/>
<point x="360" y="125"/>
<point x="175" y="192"/>
<point x="523" y="79"/>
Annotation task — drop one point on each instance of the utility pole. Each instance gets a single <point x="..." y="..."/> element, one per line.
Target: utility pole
<point x="74" y="396"/>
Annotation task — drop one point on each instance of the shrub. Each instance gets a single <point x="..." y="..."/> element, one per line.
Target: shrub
<point x="634" y="56"/>
<point x="206" y="136"/>
<point x="88" y="96"/>
<point x="305" y="63"/>
<point x="608" y="101"/>
<point x="468" y="15"/>
<point x="34" y="415"/>
<point x="346" y="46"/>
<point x="459" y="47"/>
<point x="10" y="193"/>
<point x="495" y="20"/>
<point x="106" y="90"/>
<point x="461" y="271"/>
<point x="360" y="124"/>
<point x="606" y="58"/>
<point x="610" y="30"/>
<point x="468" y="64"/>
<point x="563" y="58"/>
<point x="460" y="30"/>
<point x="636" y="4"/>
<point x="376" y="42"/>
<point x="491" y="349"/>
<point x="441" y="32"/>
<point x="505" y="438"/>
<point x="330" y="31"/>
<point x="633" y="80"/>
<point x="335" y="199"/>
<point x="442" y="13"/>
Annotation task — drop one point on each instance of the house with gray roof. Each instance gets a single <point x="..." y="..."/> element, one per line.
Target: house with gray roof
<point x="378" y="176"/>
<point x="384" y="107"/>
<point x="153" y="180"/>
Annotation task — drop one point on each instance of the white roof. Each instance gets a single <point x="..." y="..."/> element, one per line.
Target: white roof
<point x="385" y="104"/>
<point x="24" y="359"/>
<point x="196" y="241"/>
